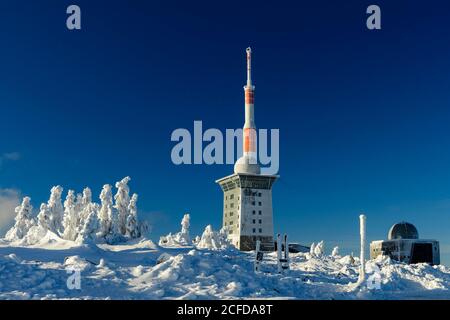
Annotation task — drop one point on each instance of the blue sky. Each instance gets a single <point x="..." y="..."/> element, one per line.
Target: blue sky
<point x="363" y="115"/>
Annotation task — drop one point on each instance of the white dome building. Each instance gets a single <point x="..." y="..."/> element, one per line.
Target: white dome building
<point x="404" y="245"/>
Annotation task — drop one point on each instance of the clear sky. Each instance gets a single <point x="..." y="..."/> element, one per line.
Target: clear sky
<point x="363" y="115"/>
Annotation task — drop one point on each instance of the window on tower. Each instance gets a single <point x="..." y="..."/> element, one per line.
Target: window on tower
<point x="260" y="230"/>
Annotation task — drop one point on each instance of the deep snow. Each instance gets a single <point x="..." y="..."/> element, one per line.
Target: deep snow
<point x="131" y="271"/>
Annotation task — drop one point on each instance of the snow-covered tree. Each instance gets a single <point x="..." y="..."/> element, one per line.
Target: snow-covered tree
<point x="312" y="249"/>
<point x="86" y="200"/>
<point x="80" y="219"/>
<point x="144" y="227"/>
<point x="79" y="204"/>
<point x="213" y="240"/>
<point x="122" y="201"/>
<point x="184" y="234"/>
<point x="335" y="252"/>
<point x="44" y="217"/>
<point x="132" y="227"/>
<point x="71" y="217"/>
<point x="105" y="214"/>
<point x="181" y="238"/>
<point x="24" y="221"/>
<point x="89" y="227"/>
<point x="320" y="249"/>
<point x="196" y="240"/>
<point x="56" y="210"/>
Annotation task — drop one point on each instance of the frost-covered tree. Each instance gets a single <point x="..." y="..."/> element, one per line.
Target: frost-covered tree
<point x="89" y="227"/>
<point x="56" y="210"/>
<point x="335" y="252"/>
<point x="23" y="221"/>
<point x="44" y="217"/>
<point x="312" y="249"/>
<point x="86" y="200"/>
<point x="132" y="227"/>
<point x="144" y="227"/>
<point x="71" y="217"/>
<point x="196" y="240"/>
<point x="79" y="204"/>
<point x="320" y="249"/>
<point x="106" y="210"/>
<point x="122" y="201"/>
<point x="181" y="238"/>
<point x="213" y="240"/>
<point x="184" y="234"/>
<point x="80" y="219"/>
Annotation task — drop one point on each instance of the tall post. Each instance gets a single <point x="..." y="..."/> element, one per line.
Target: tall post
<point x="362" y="230"/>
<point x="279" y="245"/>
<point x="286" y="253"/>
<point x="258" y="255"/>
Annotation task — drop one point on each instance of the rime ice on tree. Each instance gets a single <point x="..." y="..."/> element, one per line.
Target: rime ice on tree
<point x="56" y="210"/>
<point x="122" y="199"/>
<point x="71" y="217"/>
<point x="80" y="219"/>
<point x="181" y="238"/>
<point x="23" y="222"/>
<point x="106" y="210"/>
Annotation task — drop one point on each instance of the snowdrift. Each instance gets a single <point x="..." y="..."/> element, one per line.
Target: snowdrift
<point x="136" y="270"/>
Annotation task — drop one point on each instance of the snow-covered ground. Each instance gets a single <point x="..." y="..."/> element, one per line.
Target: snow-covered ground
<point x="140" y="269"/>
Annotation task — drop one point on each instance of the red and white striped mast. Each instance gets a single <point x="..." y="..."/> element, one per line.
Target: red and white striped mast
<point x="249" y="126"/>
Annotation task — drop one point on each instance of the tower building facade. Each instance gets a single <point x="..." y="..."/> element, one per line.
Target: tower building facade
<point x="247" y="194"/>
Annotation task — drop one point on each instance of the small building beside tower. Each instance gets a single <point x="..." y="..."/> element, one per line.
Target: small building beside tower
<point x="404" y="245"/>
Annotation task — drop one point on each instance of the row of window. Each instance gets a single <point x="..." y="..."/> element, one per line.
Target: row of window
<point x="254" y="230"/>
<point x="254" y="203"/>
<point x="231" y="214"/>
<point x="232" y="197"/>
<point x="259" y="221"/>
<point x="259" y="194"/>
<point x="259" y="212"/>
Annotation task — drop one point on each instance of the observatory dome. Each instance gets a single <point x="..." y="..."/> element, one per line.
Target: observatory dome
<point x="403" y="230"/>
<point x="248" y="165"/>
